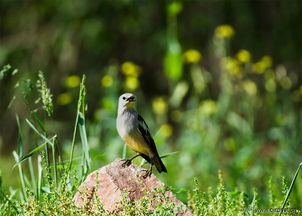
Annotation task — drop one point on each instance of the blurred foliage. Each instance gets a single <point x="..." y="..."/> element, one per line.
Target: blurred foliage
<point x="218" y="82"/>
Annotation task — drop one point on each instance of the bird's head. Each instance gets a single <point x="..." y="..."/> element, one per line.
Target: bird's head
<point x="126" y="100"/>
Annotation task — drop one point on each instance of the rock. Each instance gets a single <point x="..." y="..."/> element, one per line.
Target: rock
<point x="109" y="183"/>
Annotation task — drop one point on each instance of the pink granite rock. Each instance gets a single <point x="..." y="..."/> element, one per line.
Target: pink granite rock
<point x="108" y="183"/>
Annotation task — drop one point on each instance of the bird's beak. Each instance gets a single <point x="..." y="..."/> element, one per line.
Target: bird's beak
<point x="131" y="99"/>
<point x="130" y="103"/>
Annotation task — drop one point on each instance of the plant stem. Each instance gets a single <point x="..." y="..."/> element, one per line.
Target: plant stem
<point x="290" y="188"/>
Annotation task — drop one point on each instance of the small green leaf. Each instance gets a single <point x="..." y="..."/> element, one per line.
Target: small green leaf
<point x="35" y="150"/>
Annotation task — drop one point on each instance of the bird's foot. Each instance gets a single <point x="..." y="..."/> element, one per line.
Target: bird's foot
<point x="147" y="173"/>
<point x="126" y="163"/>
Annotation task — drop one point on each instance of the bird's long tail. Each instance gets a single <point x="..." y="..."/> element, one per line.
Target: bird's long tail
<point x="159" y="164"/>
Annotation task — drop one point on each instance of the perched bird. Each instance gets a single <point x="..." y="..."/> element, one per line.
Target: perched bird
<point x="135" y="133"/>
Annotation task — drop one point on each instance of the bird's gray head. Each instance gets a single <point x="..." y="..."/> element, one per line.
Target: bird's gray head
<point x="126" y="101"/>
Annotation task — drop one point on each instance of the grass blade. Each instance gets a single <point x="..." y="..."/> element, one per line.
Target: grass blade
<point x="54" y="160"/>
<point x="21" y="174"/>
<point x="40" y="134"/>
<point x="35" y="150"/>
<point x="73" y="141"/>
<point x="32" y="174"/>
<point x="40" y="169"/>
<point x="20" y="143"/>
<point x="168" y="154"/>
<point x="163" y="156"/>
<point x="38" y="120"/>
<point x="85" y="146"/>
<point x="290" y="188"/>
<point x="80" y="109"/>
<point x="11" y="102"/>
<point x="42" y="127"/>
<point x="124" y="151"/>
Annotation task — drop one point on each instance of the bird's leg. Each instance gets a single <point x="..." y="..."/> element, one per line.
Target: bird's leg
<point x="148" y="172"/>
<point x="127" y="162"/>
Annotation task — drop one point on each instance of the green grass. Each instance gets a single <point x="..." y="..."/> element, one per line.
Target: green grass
<point x="48" y="182"/>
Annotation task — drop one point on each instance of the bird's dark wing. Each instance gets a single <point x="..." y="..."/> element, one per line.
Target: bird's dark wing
<point x="144" y="130"/>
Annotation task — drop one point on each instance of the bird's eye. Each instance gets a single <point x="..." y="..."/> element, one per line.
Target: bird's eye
<point x="124" y="98"/>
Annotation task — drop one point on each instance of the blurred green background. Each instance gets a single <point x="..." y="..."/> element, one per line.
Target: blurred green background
<point x="219" y="82"/>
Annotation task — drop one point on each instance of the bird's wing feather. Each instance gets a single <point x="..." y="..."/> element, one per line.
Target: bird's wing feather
<point x="154" y="159"/>
<point x="144" y="130"/>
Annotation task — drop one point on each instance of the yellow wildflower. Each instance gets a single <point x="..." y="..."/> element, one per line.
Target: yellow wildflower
<point x="300" y="89"/>
<point x="258" y="67"/>
<point x="174" y="8"/>
<point x="208" y="107"/>
<point x="267" y="61"/>
<point x="269" y="74"/>
<point x="159" y="106"/>
<point x="72" y="81"/>
<point x="130" y="69"/>
<point x="224" y="31"/>
<point x="131" y="83"/>
<point x="64" y="98"/>
<point x="250" y="87"/>
<point x="244" y="56"/>
<point x="192" y="56"/>
<point x="232" y="66"/>
<point x="263" y="64"/>
<point x="286" y="82"/>
<point x="270" y="85"/>
<point x="107" y="81"/>
<point x="166" y="130"/>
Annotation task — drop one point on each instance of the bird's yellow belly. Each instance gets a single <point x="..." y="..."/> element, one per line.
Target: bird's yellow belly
<point x="137" y="145"/>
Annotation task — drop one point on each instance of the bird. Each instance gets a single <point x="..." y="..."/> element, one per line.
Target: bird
<point x="134" y="131"/>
